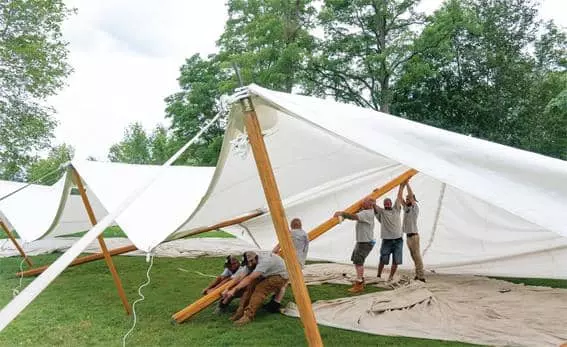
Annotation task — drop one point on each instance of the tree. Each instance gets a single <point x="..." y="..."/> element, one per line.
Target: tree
<point x="365" y="46"/>
<point x="48" y="170"/>
<point x="33" y="66"/>
<point x="483" y="78"/>
<point x="138" y="147"/>
<point x="269" y="40"/>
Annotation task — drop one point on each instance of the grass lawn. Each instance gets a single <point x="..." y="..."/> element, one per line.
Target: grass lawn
<point x="81" y="308"/>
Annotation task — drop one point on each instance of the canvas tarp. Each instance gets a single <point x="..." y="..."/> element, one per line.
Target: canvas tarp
<point x="448" y="307"/>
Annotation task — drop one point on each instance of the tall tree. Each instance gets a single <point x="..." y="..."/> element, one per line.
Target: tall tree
<point x="365" y="44"/>
<point x="269" y="40"/>
<point x="139" y="147"/>
<point x="483" y="78"/>
<point x="33" y="66"/>
<point x="48" y="170"/>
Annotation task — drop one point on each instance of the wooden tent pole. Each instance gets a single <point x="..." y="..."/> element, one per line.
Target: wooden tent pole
<point x="279" y="220"/>
<point x="227" y="223"/>
<point x="107" y="256"/>
<point x="80" y="260"/>
<point x="334" y="221"/>
<point x="202" y="303"/>
<point x="15" y="242"/>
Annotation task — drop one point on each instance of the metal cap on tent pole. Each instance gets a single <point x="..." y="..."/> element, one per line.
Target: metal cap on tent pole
<point x="246" y="101"/>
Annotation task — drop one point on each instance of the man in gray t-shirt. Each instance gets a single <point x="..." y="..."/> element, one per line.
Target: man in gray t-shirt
<point x="391" y="233"/>
<point x="364" y="231"/>
<point x="268" y="274"/>
<point x="301" y="244"/>
<point x="409" y="227"/>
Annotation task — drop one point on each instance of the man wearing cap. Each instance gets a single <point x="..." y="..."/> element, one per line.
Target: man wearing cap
<point x="268" y="274"/>
<point x="409" y="227"/>
<point x="364" y="230"/>
<point x="391" y="233"/>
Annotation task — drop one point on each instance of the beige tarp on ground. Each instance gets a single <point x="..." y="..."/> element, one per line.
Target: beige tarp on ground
<point x="448" y="307"/>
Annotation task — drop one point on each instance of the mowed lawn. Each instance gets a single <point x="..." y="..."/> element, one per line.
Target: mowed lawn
<point x="81" y="308"/>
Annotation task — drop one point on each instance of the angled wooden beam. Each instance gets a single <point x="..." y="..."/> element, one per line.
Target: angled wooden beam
<point x="227" y="223"/>
<point x="202" y="303"/>
<point x="279" y="219"/>
<point x="80" y="260"/>
<point x="378" y="192"/>
<point x="15" y="242"/>
<point x="107" y="256"/>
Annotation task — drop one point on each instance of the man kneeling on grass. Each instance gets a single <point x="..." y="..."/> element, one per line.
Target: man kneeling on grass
<point x="231" y="265"/>
<point x="267" y="275"/>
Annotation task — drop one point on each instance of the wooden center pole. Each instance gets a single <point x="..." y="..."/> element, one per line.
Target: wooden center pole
<point x="107" y="256"/>
<point x="15" y="242"/>
<point x="279" y="219"/>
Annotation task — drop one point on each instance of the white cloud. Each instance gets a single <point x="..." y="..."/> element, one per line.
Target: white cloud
<point x="126" y="55"/>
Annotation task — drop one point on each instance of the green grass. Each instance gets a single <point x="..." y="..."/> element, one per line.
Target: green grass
<point x="81" y="308"/>
<point x="539" y="282"/>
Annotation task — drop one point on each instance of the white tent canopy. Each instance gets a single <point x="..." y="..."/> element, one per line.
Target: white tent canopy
<point x="326" y="155"/>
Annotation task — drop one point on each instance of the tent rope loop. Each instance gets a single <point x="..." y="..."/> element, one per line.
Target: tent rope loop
<point x="150" y="259"/>
<point x="16" y="290"/>
<point x="241" y="146"/>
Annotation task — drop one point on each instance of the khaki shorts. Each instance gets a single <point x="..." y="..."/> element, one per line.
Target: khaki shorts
<point x="360" y="252"/>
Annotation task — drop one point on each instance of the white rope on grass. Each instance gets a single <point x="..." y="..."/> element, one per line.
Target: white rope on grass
<point x="142" y="297"/>
<point x="16" y="290"/>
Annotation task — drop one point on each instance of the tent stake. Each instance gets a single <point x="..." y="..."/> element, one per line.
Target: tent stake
<point x="279" y="220"/>
<point x="15" y="242"/>
<point x="107" y="256"/>
<point x="80" y="260"/>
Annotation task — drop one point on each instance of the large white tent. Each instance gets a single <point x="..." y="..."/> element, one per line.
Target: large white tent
<point x="484" y="208"/>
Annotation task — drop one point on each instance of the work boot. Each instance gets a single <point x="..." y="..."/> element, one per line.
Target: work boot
<point x="273" y="306"/>
<point x="243" y="321"/>
<point x="422" y="279"/>
<point x="357" y="287"/>
<point x="237" y="315"/>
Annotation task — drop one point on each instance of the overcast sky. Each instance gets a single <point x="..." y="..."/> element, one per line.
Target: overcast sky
<point x="126" y="56"/>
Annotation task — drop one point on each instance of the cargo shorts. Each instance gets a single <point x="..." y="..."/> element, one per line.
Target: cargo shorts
<point x="360" y="252"/>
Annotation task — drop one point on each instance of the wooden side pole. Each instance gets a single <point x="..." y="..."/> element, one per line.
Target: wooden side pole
<point x="227" y="223"/>
<point x="279" y="219"/>
<point x="80" y="260"/>
<point x="334" y="221"/>
<point x="15" y="242"/>
<point x="107" y="256"/>
<point x="202" y="303"/>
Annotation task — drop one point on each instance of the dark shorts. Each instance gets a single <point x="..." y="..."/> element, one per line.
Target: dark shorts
<point x="394" y="247"/>
<point x="360" y="252"/>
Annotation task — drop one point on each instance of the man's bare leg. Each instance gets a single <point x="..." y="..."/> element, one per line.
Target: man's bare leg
<point x="393" y="271"/>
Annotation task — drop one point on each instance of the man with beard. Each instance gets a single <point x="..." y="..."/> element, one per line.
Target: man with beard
<point x="390" y="233"/>
<point x="409" y="227"/>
